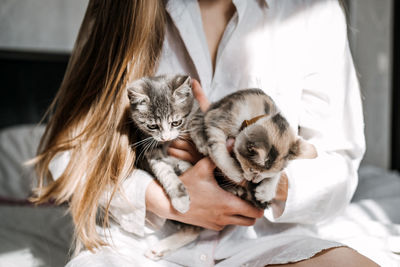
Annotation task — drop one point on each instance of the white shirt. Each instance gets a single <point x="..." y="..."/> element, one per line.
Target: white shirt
<point x="297" y="52"/>
<point x="301" y="58"/>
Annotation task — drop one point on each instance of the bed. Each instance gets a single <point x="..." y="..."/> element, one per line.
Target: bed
<point x="41" y="235"/>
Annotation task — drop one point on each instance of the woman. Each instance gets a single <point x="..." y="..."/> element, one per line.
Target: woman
<point x="296" y="51"/>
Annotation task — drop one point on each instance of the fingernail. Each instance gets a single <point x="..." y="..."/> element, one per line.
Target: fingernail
<point x="261" y="213"/>
<point x="230" y="142"/>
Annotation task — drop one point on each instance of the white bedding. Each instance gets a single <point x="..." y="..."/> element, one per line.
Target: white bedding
<point x="41" y="236"/>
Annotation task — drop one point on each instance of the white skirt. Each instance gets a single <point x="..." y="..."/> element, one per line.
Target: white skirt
<point x="259" y="245"/>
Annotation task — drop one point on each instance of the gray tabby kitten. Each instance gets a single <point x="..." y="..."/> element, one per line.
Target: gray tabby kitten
<point x="161" y="107"/>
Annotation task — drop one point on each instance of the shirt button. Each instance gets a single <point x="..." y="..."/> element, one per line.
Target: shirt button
<point x="203" y="257"/>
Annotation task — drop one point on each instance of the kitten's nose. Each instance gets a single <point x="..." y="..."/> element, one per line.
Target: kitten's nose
<point x="165" y="137"/>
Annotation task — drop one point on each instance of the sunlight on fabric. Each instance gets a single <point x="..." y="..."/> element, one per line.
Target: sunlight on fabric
<point x="17" y="258"/>
<point x="366" y="227"/>
<point x="374" y="211"/>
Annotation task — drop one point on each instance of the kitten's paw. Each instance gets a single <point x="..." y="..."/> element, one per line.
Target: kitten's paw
<point x="184" y="166"/>
<point x="260" y="205"/>
<point x="203" y="150"/>
<point x="265" y="192"/>
<point x="181" y="204"/>
<point x="258" y="179"/>
<point x="235" y="176"/>
<point x="237" y="191"/>
<point x="156" y="253"/>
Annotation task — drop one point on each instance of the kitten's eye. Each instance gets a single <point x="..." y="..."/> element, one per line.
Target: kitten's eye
<point x="152" y="126"/>
<point x="250" y="147"/>
<point x="268" y="164"/>
<point x="176" y="123"/>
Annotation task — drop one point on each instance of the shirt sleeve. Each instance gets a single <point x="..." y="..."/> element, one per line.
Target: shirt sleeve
<point x="331" y="118"/>
<point x="128" y="206"/>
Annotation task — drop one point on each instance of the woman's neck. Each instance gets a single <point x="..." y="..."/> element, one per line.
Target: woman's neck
<point x="215" y="15"/>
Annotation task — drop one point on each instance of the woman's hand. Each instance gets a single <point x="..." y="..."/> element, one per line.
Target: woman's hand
<point x="200" y="96"/>
<point x="211" y="207"/>
<point x="279" y="202"/>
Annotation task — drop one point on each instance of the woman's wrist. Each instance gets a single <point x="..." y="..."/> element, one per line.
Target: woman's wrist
<point x="157" y="201"/>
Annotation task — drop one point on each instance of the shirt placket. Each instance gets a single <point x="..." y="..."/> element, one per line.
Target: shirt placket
<point x="187" y="19"/>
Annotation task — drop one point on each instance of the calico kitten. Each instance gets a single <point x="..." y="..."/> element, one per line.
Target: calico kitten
<point x="160" y="108"/>
<point x="264" y="143"/>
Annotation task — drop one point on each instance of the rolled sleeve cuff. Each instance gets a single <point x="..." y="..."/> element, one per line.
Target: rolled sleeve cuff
<point x="318" y="189"/>
<point x="128" y="207"/>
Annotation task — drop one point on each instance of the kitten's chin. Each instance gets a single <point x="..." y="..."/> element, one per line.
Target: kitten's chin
<point x="248" y="176"/>
<point x="164" y="140"/>
<point x="258" y="178"/>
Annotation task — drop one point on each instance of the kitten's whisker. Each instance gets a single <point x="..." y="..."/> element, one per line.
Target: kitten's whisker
<point x="227" y="182"/>
<point x="227" y="185"/>
<point x="154" y="144"/>
<point x="141" y="142"/>
<point x="145" y="148"/>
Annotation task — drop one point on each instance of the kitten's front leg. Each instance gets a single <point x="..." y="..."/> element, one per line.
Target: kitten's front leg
<point x="172" y="185"/>
<point x="266" y="190"/>
<point x="173" y="242"/>
<point x="180" y="166"/>
<point x="220" y="155"/>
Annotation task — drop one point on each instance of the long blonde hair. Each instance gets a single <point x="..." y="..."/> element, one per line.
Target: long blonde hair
<point x="117" y="41"/>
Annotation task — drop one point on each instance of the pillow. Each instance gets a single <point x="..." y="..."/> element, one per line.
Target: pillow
<point x="376" y="183"/>
<point x="17" y="145"/>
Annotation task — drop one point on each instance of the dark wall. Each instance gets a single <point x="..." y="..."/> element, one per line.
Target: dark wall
<point x="396" y="89"/>
<point x="29" y="82"/>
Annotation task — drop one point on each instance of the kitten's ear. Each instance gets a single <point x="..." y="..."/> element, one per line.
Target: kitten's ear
<point x="136" y="93"/>
<point x="184" y="90"/>
<point x="301" y="149"/>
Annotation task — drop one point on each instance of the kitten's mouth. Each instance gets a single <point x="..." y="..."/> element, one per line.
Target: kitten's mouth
<point x="250" y="177"/>
<point x="162" y="140"/>
<point x="256" y="178"/>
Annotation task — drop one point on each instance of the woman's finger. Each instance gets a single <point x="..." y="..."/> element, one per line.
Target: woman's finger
<point x="182" y="144"/>
<point x="282" y="189"/>
<point x="241" y="207"/>
<point x="183" y="155"/>
<point x="184" y="150"/>
<point x="240" y="220"/>
<point x="230" y="143"/>
<point x="214" y="227"/>
<point x="200" y="96"/>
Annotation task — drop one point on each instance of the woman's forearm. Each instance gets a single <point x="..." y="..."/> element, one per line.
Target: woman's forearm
<point x="211" y="207"/>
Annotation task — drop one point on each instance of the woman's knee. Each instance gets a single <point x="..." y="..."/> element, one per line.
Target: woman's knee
<point x="341" y="256"/>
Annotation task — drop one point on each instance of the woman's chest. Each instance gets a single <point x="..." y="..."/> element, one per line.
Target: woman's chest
<point x="256" y="55"/>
